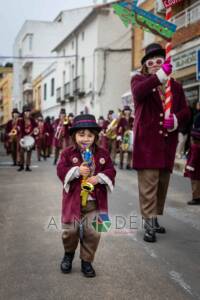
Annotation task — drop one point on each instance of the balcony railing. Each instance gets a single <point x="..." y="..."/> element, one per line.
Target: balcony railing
<point x="188" y="16"/>
<point x="78" y="85"/>
<point x="58" y="94"/>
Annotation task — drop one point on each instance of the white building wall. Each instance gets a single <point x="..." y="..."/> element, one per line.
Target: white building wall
<point x="112" y="34"/>
<point x="100" y="33"/>
<point x="46" y="35"/>
<point x="49" y="105"/>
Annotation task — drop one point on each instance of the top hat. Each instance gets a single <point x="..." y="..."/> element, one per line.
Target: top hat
<point x="110" y="112"/>
<point x="15" y="111"/>
<point x="126" y="107"/>
<point x="26" y="108"/>
<point x="71" y="115"/>
<point x="152" y="50"/>
<point x="84" y="122"/>
<point x="63" y="111"/>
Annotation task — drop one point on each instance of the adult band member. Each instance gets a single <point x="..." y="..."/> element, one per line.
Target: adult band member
<point x="12" y="133"/>
<point x="27" y="126"/>
<point x="69" y="124"/>
<point x="111" y="134"/>
<point x="103" y="141"/>
<point x="124" y="131"/>
<point x="40" y="134"/>
<point x="155" y="136"/>
<point x="49" y="136"/>
<point x="192" y="169"/>
<point x="61" y="133"/>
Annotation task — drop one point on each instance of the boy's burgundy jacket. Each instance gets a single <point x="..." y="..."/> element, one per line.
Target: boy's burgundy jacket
<point x="71" y="157"/>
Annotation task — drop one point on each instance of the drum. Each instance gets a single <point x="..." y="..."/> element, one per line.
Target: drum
<point x="27" y="142"/>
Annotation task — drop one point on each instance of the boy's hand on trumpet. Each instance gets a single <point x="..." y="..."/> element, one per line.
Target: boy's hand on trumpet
<point x="84" y="170"/>
<point x="93" y="180"/>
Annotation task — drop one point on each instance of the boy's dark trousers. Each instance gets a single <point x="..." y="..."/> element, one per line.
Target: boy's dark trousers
<point x="71" y="235"/>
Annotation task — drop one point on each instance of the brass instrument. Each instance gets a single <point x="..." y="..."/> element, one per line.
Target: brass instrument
<point x="86" y="187"/>
<point x="111" y="130"/>
<point x="66" y="121"/>
<point x="13" y="132"/>
<point x="127" y="141"/>
<point x="36" y="131"/>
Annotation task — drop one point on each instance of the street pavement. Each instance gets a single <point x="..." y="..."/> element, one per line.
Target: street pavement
<point x="126" y="266"/>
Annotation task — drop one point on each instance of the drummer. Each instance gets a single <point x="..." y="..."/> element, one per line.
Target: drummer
<point x="27" y="126"/>
<point x="124" y="131"/>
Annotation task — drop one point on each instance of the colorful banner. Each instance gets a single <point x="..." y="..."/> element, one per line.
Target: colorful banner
<point x="169" y="3"/>
<point x="130" y="14"/>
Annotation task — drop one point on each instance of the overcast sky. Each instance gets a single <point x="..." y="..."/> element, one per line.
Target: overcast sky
<point x="13" y="14"/>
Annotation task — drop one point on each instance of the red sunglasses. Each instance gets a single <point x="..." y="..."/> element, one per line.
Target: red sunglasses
<point x="154" y="61"/>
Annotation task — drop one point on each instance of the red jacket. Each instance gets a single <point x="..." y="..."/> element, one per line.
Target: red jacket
<point x="29" y="130"/>
<point x="71" y="157"/>
<point x="64" y="133"/>
<point x="152" y="149"/>
<point x="124" y="125"/>
<point x="193" y="163"/>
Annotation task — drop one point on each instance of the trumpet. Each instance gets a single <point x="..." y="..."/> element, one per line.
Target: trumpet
<point x="110" y="132"/>
<point x="66" y="121"/>
<point x="13" y="132"/>
<point x="36" y="131"/>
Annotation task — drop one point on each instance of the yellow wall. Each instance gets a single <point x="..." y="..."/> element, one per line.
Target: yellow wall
<point x="37" y="92"/>
<point x="6" y="86"/>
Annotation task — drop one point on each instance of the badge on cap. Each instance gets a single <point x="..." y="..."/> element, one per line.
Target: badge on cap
<point x="75" y="160"/>
<point x="102" y="161"/>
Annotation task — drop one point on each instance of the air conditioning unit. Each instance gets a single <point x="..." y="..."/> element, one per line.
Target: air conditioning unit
<point x="159" y="7"/>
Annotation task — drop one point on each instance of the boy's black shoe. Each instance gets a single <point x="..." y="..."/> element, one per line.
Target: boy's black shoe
<point x="21" y="168"/>
<point x="157" y="227"/>
<point x="194" y="202"/>
<point x="87" y="269"/>
<point x="66" y="263"/>
<point x="149" y="234"/>
<point x="28" y="169"/>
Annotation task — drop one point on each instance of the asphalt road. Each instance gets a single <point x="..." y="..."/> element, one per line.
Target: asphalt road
<point x="126" y="267"/>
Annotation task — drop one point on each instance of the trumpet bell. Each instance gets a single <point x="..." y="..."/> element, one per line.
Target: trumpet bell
<point x="87" y="186"/>
<point x="13" y="132"/>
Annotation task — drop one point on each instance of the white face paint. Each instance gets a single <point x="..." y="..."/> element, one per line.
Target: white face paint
<point x="154" y="64"/>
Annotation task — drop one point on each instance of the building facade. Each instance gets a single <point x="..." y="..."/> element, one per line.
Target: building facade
<point x="96" y="71"/>
<point x="6" y="86"/>
<point x="32" y="51"/>
<point x="185" y="43"/>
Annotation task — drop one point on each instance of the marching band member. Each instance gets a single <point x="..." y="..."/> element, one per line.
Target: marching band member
<point x="40" y="134"/>
<point x="111" y="134"/>
<point x="61" y="134"/>
<point x="12" y="133"/>
<point x="192" y="169"/>
<point x="155" y="136"/>
<point x="103" y="141"/>
<point x="27" y="125"/>
<point x="67" y="129"/>
<point x="48" y="136"/>
<point x="71" y="169"/>
<point x="124" y="131"/>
